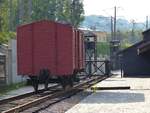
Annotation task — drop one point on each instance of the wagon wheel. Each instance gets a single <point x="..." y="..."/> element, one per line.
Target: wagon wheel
<point x="36" y="86"/>
<point x="66" y="82"/>
<point x="69" y="84"/>
<point x="44" y="77"/>
<point x="34" y="80"/>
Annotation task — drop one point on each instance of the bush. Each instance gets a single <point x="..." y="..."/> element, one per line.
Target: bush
<point x="125" y="45"/>
<point x="102" y="48"/>
<point x="6" y="36"/>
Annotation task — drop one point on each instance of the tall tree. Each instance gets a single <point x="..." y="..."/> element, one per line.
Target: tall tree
<point x="77" y="12"/>
<point x="1" y="2"/>
<point x="30" y="9"/>
<point x="10" y="15"/>
<point x="16" y="12"/>
<point x="44" y="9"/>
<point x="21" y="10"/>
<point x="4" y="15"/>
<point x="70" y="11"/>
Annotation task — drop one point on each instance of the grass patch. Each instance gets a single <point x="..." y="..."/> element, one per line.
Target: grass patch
<point x="103" y="48"/>
<point x="7" y="88"/>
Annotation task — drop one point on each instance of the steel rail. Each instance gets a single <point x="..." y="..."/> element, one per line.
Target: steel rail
<point x="81" y="86"/>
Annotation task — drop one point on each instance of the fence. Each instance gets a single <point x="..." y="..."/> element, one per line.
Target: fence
<point x="97" y="67"/>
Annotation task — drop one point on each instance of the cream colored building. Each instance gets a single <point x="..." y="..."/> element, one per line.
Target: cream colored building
<point x="101" y="36"/>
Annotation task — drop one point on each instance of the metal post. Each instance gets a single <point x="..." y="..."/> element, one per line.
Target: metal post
<point x="112" y="28"/>
<point x="107" y="68"/>
<point x="95" y="53"/>
<point x="146" y="22"/>
<point x="115" y="22"/>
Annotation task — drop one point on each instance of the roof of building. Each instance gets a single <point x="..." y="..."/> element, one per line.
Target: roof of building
<point x="146" y="31"/>
<point x="144" y="47"/>
<point x="89" y="33"/>
<point x="1" y="54"/>
<point x="125" y="50"/>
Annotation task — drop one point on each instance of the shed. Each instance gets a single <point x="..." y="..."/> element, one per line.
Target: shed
<point x="135" y="60"/>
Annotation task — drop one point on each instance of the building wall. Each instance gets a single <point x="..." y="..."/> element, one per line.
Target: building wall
<point x="11" y="64"/>
<point x="101" y="36"/>
<point x="135" y="65"/>
<point x="146" y="35"/>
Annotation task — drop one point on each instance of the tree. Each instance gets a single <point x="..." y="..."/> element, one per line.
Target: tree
<point x="4" y="15"/>
<point x="77" y="15"/>
<point x="16" y="12"/>
<point x="44" y="9"/>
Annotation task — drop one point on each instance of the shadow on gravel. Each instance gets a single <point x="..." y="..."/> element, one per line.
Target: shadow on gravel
<point x="115" y="98"/>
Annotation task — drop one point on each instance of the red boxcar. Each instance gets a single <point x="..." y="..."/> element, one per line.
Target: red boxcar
<point x="46" y="45"/>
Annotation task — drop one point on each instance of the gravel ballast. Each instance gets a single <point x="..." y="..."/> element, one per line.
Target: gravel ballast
<point x="60" y="107"/>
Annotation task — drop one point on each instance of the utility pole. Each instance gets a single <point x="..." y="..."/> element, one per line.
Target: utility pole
<point x="112" y="34"/>
<point x="146" y="22"/>
<point x="115" y="23"/>
<point x="133" y="27"/>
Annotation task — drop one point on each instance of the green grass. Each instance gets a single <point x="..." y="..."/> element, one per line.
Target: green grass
<point x="7" y="88"/>
<point x="103" y="48"/>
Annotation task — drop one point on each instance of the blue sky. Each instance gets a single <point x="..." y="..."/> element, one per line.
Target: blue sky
<point x="129" y="9"/>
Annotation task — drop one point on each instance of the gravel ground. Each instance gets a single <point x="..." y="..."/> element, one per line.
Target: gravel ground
<point x="60" y="107"/>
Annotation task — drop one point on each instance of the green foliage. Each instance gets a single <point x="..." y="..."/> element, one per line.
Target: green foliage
<point x="125" y="45"/>
<point x="3" y="15"/>
<point x="44" y="9"/>
<point x="16" y="12"/>
<point x="6" y="36"/>
<point x="25" y="11"/>
<point x="77" y="12"/>
<point x="69" y="11"/>
<point x="103" y="48"/>
<point x="127" y="38"/>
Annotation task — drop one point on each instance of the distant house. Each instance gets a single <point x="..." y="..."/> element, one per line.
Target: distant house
<point x="101" y="36"/>
<point x="135" y="60"/>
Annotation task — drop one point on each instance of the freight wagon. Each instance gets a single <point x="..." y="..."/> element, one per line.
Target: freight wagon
<point x="48" y="50"/>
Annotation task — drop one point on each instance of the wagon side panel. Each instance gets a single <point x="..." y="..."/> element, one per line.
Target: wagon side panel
<point x="76" y="50"/>
<point x="24" y="50"/>
<point x="82" y="51"/>
<point x="44" y="47"/>
<point x="65" y="50"/>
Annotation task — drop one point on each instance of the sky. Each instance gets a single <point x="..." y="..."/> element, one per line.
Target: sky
<point x="130" y="9"/>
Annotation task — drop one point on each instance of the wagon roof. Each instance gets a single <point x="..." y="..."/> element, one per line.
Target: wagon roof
<point x="40" y="21"/>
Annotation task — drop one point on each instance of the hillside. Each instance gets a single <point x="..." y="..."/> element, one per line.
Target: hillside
<point x="104" y="23"/>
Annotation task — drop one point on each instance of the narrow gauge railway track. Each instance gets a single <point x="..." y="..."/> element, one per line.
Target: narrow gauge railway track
<point x="25" y="103"/>
<point x="21" y="96"/>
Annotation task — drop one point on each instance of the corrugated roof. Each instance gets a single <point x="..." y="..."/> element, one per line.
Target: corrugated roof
<point x="1" y="54"/>
<point x="124" y="50"/>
